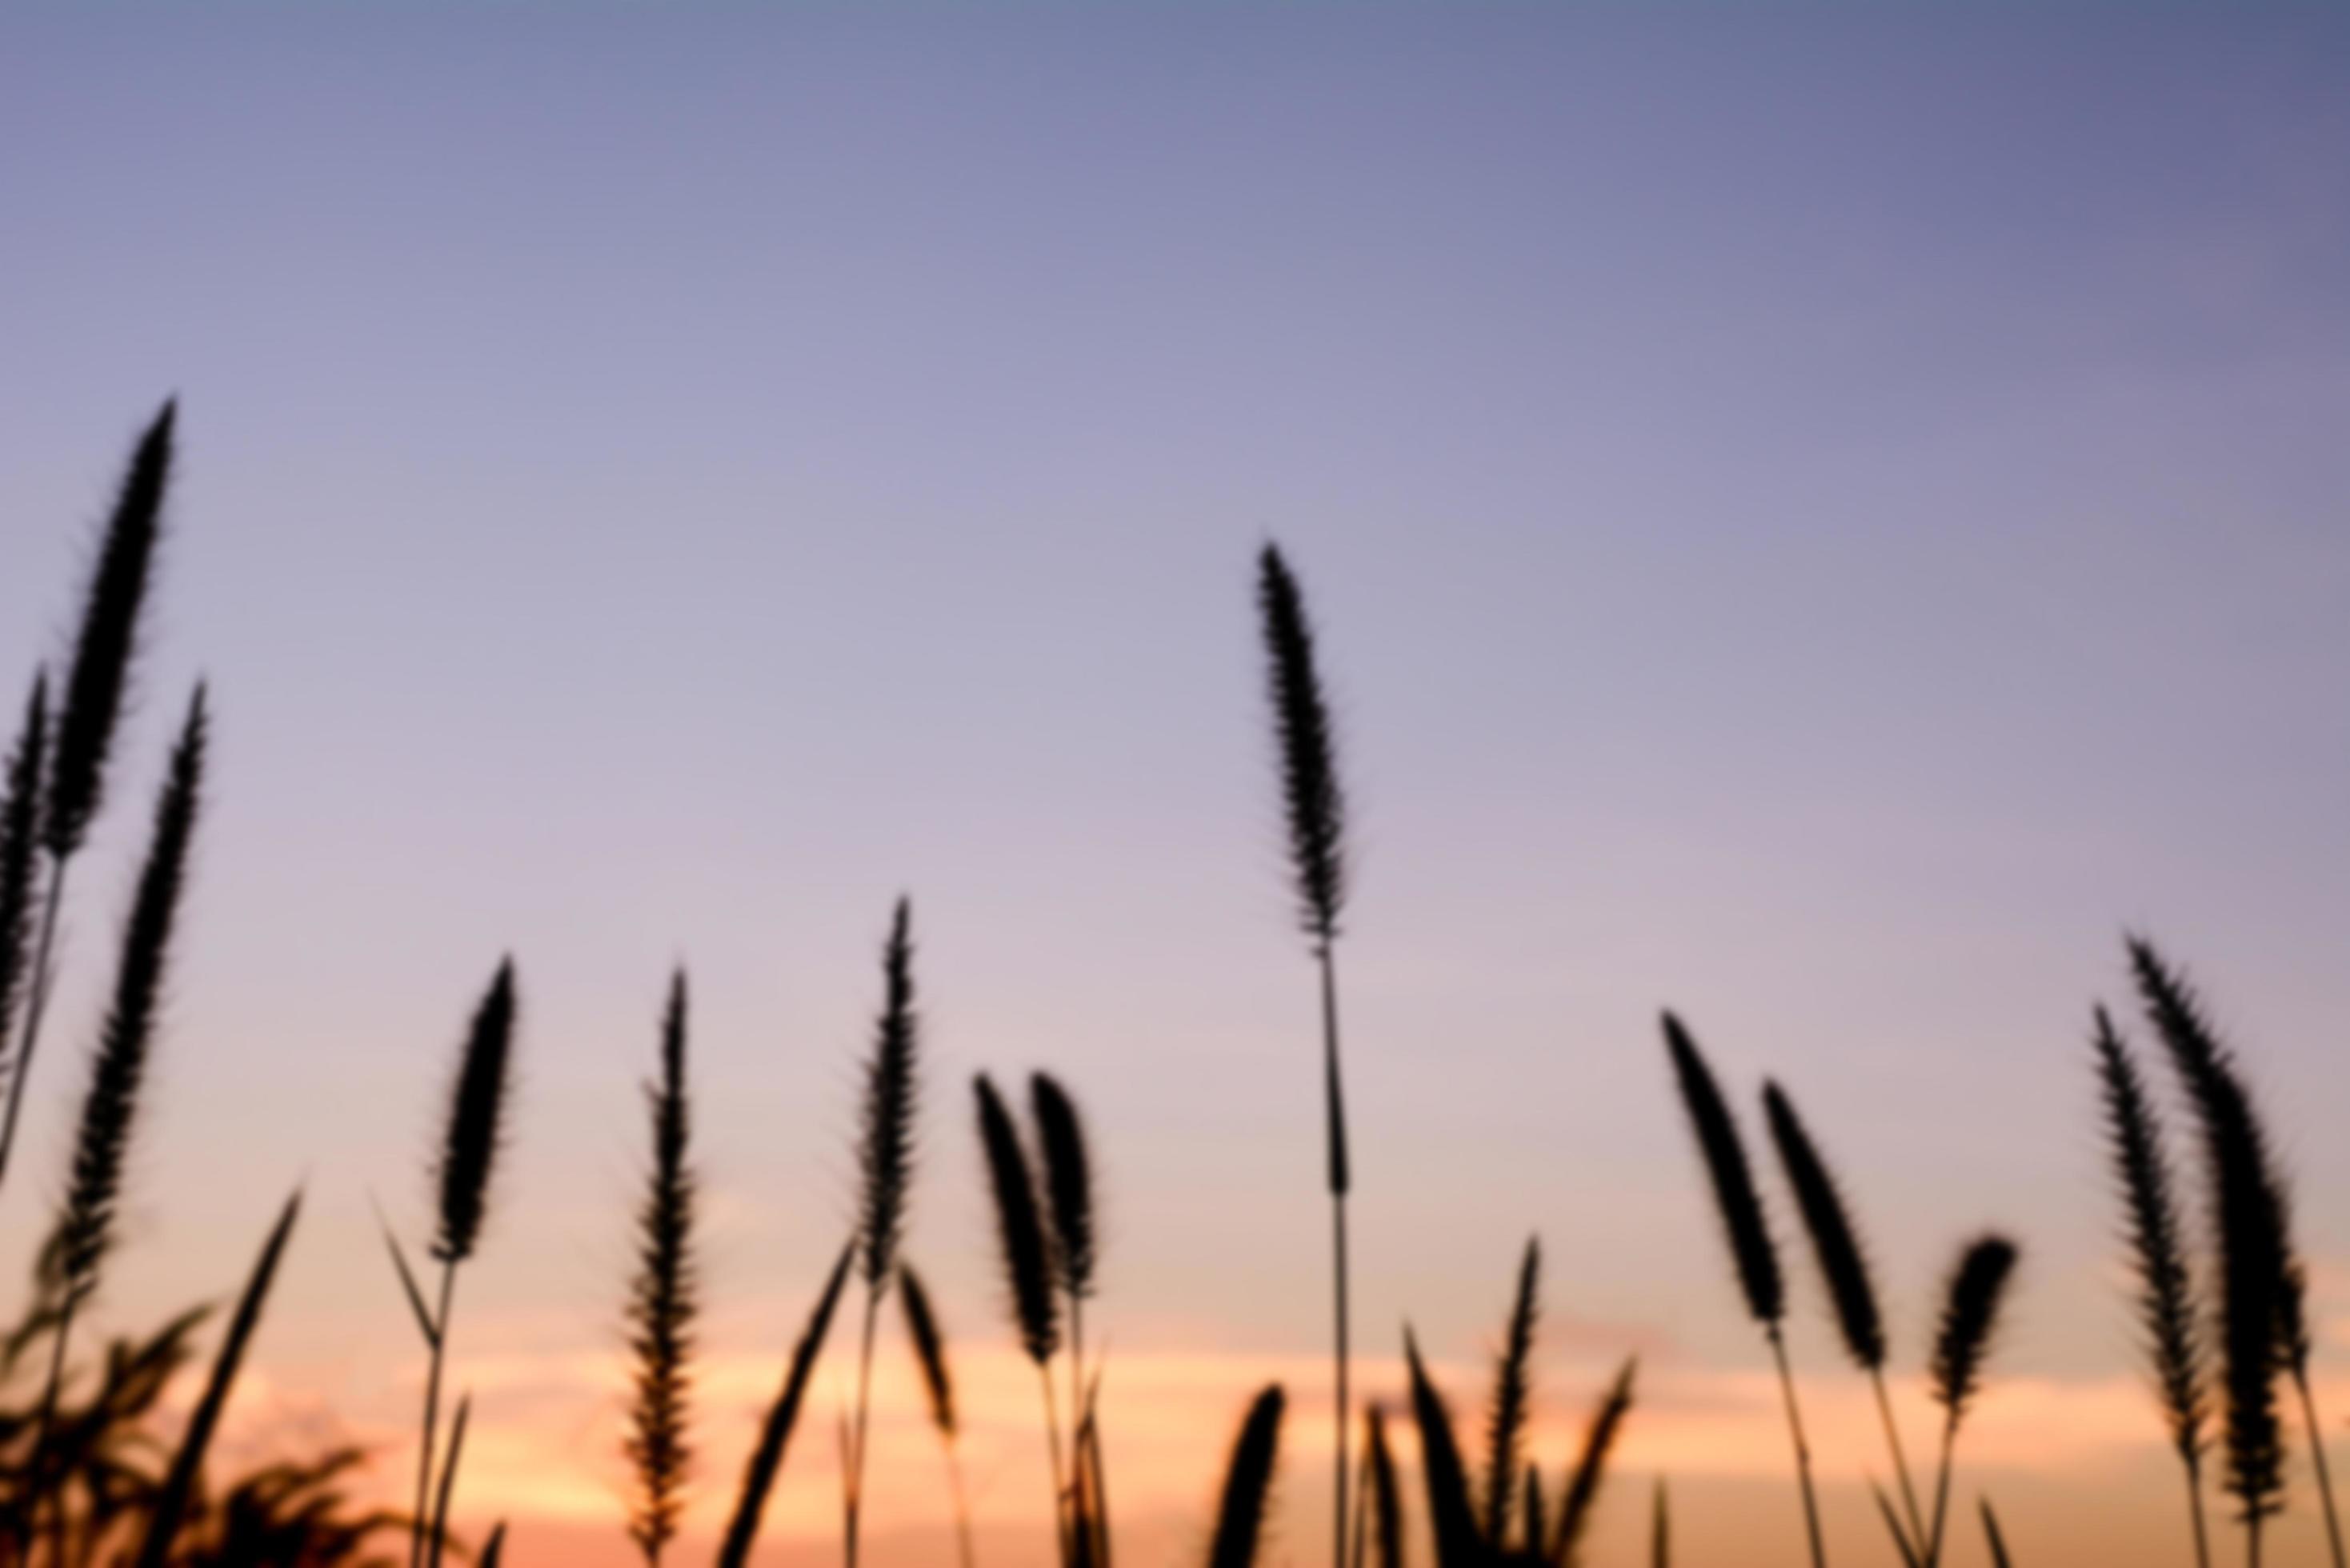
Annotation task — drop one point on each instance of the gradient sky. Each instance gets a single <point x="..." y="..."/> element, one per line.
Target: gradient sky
<point x="1819" y="521"/>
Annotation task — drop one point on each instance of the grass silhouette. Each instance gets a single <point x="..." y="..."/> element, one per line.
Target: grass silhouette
<point x="91" y="1472"/>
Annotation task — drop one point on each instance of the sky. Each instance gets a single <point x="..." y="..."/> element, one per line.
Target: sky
<point x="1819" y="520"/>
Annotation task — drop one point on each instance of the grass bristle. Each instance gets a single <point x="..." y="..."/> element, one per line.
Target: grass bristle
<point x="2157" y="1243"/>
<point x="886" y="1148"/>
<point x="1068" y="1184"/>
<point x="86" y="1223"/>
<point x="929" y="1348"/>
<point x="106" y="648"/>
<point x="20" y="827"/>
<point x="2248" y="1225"/>
<point x="1505" y="1426"/>
<point x="475" y="1130"/>
<point x="1735" y="1198"/>
<point x="1303" y="732"/>
<point x="1022" y="1247"/>
<point x="1836" y="1243"/>
<point x="1970" y="1306"/>
<point x="663" y="1300"/>
<point x="1580" y="1499"/>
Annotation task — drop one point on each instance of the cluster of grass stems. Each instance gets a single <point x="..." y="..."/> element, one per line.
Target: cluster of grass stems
<point x="2223" y="1335"/>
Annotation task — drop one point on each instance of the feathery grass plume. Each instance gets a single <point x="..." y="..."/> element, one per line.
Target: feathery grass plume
<point x="2158" y="1240"/>
<point x="663" y="1299"/>
<point x="931" y="1352"/>
<point x="1505" y="1426"/>
<point x="84" y="1232"/>
<point x="1026" y="1255"/>
<point x="448" y="1482"/>
<point x="1752" y="1250"/>
<point x="1534" y="1526"/>
<point x="1970" y="1316"/>
<point x="1577" y="1502"/>
<point x="1068" y="1181"/>
<point x="1844" y="1268"/>
<point x="1316" y="804"/>
<point x="105" y="648"/>
<point x="775" y="1435"/>
<point x="2259" y="1184"/>
<point x="1316" y="808"/>
<point x="470" y="1140"/>
<point x="475" y="1125"/>
<point x="2249" y="1225"/>
<point x="885" y="1160"/>
<point x="1660" y="1531"/>
<point x="171" y="1504"/>
<point x="20" y="828"/>
<point x="1999" y="1557"/>
<point x="86" y="1225"/>
<point x="1248" y="1481"/>
<point x="1451" y="1519"/>
<point x="108" y="643"/>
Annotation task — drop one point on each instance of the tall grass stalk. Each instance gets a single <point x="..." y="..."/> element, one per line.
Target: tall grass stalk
<point x="1970" y="1318"/>
<point x="1751" y="1251"/>
<point x="1315" y="808"/>
<point x="931" y="1353"/>
<point x="1025" y="1251"/>
<point x="179" y="1483"/>
<point x="470" y="1140"/>
<point x="766" y="1460"/>
<point x="1068" y="1183"/>
<point x="886" y="1169"/>
<point x="1580" y="1498"/>
<point x="663" y="1298"/>
<point x="2250" y="1227"/>
<point x="1844" y="1269"/>
<point x="20" y="832"/>
<point x="2157" y="1241"/>
<point x="1506" y="1426"/>
<point x="106" y="646"/>
<point x="85" y="1231"/>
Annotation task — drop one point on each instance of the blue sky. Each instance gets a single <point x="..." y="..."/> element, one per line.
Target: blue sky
<point x="1819" y="519"/>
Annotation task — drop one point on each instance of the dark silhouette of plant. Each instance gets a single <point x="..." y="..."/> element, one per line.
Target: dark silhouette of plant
<point x="1451" y="1519"/>
<point x="20" y="833"/>
<point x="2157" y="1243"/>
<point x="886" y="1164"/>
<point x="1749" y="1233"/>
<point x="1969" y="1316"/>
<point x="766" y="1460"/>
<point x="1385" y="1497"/>
<point x="1843" y="1268"/>
<point x="1661" y="1528"/>
<point x="2251" y="1226"/>
<point x="1025" y="1253"/>
<point x="171" y="1505"/>
<point x="1248" y="1481"/>
<point x="1992" y="1537"/>
<point x="664" y="1298"/>
<point x="1068" y="1185"/>
<point x="471" y="1138"/>
<point x="105" y="648"/>
<point x="84" y="1233"/>
<point x="1314" y="807"/>
<point x="1505" y="1426"/>
<point x="1581" y="1497"/>
<point x="931" y="1354"/>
